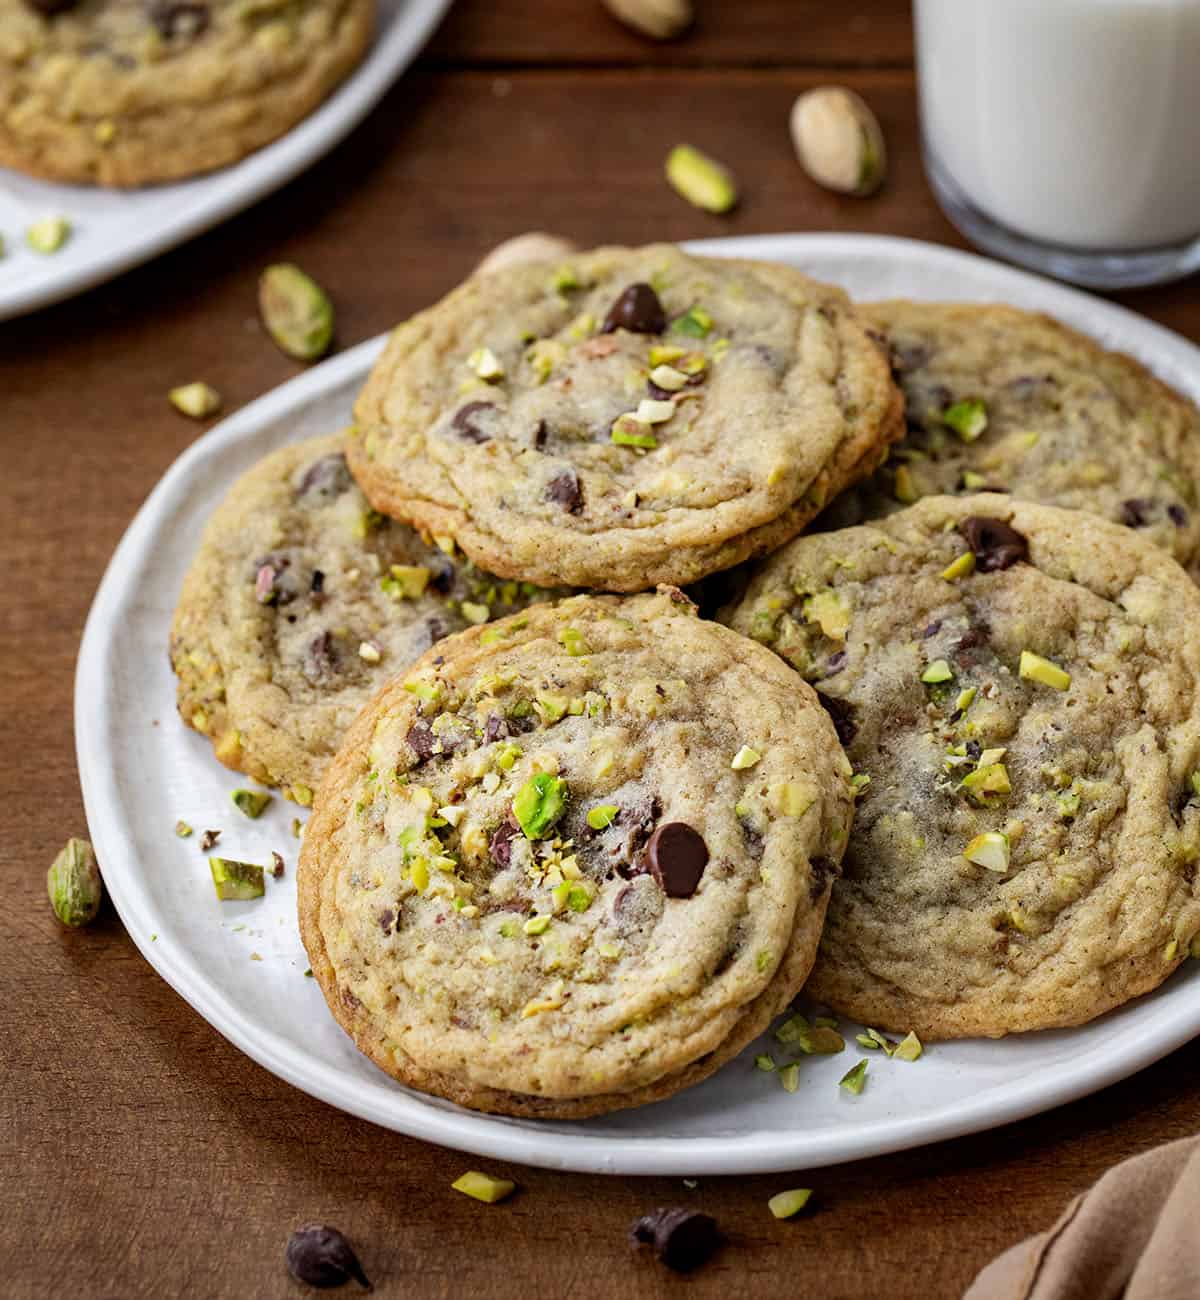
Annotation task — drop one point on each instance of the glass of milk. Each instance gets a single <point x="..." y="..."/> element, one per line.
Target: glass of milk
<point x="1065" y="134"/>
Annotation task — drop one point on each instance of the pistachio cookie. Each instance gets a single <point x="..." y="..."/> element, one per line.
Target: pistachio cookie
<point x="1002" y="399"/>
<point x="128" y="92"/>
<point x="300" y="604"/>
<point x="1018" y="688"/>
<point x="574" y="861"/>
<point x="634" y="416"/>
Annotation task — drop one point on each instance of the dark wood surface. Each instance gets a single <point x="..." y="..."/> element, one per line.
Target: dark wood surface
<point x="142" y="1154"/>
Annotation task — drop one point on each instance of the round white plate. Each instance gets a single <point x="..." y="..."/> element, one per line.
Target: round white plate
<point x="141" y="770"/>
<point x="113" y="230"/>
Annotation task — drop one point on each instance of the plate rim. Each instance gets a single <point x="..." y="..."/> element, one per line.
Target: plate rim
<point x="395" y="45"/>
<point x="765" y="1151"/>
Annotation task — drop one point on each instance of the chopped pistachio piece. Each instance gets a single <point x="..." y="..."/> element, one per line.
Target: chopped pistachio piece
<point x="830" y="610"/>
<point x="48" y="235"/>
<point x="789" y="1076"/>
<point x="1034" y="668"/>
<point x="859" y="782"/>
<point x="972" y="481"/>
<point x="745" y="758"/>
<point x="665" y="354"/>
<point x="301" y="794"/>
<point x="486" y="364"/>
<point x="182" y="829"/>
<point x="791" y="799"/>
<point x="701" y="179"/>
<point x="628" y="431"/>
<point x="369" y="652"/>
<point x="482" y="1187"/>
<point x="989" y="849"/>
<point x="297" y="828"/>
<point x="865" y="1040"/>
<point x="475" y="613"/>
<point x="904" y="486"/>
<point x="197" y="401"/>
<point x="855" y="1078"/>
<point x="966" y="698"/>
<point x="235" y="881"/>
<point x="405" y="581"/>
<point x="821" y="1040"/>
<point x="602" y="815"/>
<point x="251" y="802"/>
<point x="695" y="322"/>
<point x="967" y="418"/>
<point x="987" y="779"/>
<point x="296" y="311"/>
<point x="909" y="1047"/>
<point x="571" y="640"/>
<point x="539" y="803"/>
<point x="962" y="567"/>
<point x="785" y="1204"/>
<point x="73" y="884"/>
<point x="537" y="924"/>
<point x="650" y="411"/>
<point x="764" y="1062"/>
<point x="668" y="378"/>
<point x="938" y="671"/>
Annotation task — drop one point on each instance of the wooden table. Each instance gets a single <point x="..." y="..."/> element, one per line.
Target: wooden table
<point x="142" y="1154"/>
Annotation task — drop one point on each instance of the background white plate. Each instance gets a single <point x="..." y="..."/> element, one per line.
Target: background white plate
<point x="141" y="769"/>
<point x="113" y="230"/>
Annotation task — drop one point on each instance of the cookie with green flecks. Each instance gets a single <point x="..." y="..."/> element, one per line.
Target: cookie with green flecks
<point x="1018" y="689"/>
<point x="576" y="860"/>
<point x="633" y="416"/>
<point x="301" y="603"/>
<point x="122" y="93"/>
<point x="1007" y="400"/>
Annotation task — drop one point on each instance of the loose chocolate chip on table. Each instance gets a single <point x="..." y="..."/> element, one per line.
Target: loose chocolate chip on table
<point x="677" y="856"/>
<point x="996" y="545"/>
<point x="566" y="490"/>
<point x="682" y="1239"/>
<point x="842" y="716"/>
<point x="637" y="310"/>
<point x="1136" y="511"/>
<point x="329" y="476"/>
<point x="320" y="1256"/>
<point x="466" y="421"/>
<point x="185" y="19"/>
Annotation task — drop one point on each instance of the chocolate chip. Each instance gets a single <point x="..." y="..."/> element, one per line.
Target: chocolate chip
<point x="908" y="356"/>
<point x="420" y="740"/>
<point x="637" y="310"/>
<point x="185" y="19"/>
<point x="277" y="865"/>
<point x="677" y="856"/>
<point x="328" y="477"/>
<point x="565" y="488"/>
<point x="996" y="545"/>
<point x="495" y="728"/>
<point x="659" y="394"/>
<point x="320" y="657"/>
<point x="320" y="1256"/>
<point x="436" y="629"/>
<point x="387" y="919"/>
<point x="973" y="750"/>
<point x="1177" y="515"/>
<point x="842" y="715"/>
<point x="1135" y="512"/>
<point x="317" y="586"/>
<point x="682" y="1239"/>
<point x="824" y="870"/>
<point x="541" y="434"/>
<point x="466" y="421"/>
<point x="635" y="822"/>
<point x="47" y="8"/>
<point x="835" y="663"/>
<point x="931" y="629"/>
<point x="500" y="845"/>
<point x="441" y="574"/>
<point x="754" y="840"/>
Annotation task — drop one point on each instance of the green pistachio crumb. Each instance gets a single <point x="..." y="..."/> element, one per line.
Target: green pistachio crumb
<point x="745" y="758"/>
<point x="250" y="802"/>
<point x="764" y="1062"/>
<point x="938" y="671"/>
<point x="789" y="1076"/>
<point x="628" y="431"/>
<point x="482" y="1187"/>
<point x="539" y="803"/>
<point x="904" y="486"/>
<point x="909" y="1048"/>
<point x="236" y="881"/>
<point x="791" y="1029"/>
<point x="783" y="1205"/>
<point x="564" y="279"/>
<point x="405" y="581"/>
<point x="695" y="323"/>
<point x="48" y="235"/>
<point x="602" y="815"/>
<point x="537" y="924"/>
<point x="1033" y="668"/>
<point x="701" y="180"/>
<point x="297" y="828"/>
<point x="572" y="641"/>
<point x="197" y="401"/>
<point x="865" y="1040"/>
<point x="485" y="363"/>
<point x="474" y="613"/>
<point x="967" y="418"/>
<point x="579" y="897"/>
<point x="989" y="849"/>
<point x="855" y="1078"/>
<point x="859" y="782"/>
<point x="182" y="829"/>
<point x="961" y="567"/>
<point x="73" y="884"/>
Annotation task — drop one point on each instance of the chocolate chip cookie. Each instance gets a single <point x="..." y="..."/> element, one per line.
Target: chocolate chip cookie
<point x="1018" y="688"/>
<point x="300" y="604"/>
<point x="1002" y="399"/>
<point x="630" y="417"/>
<point x="128" y="92"/>
<point x="576" y="860"/>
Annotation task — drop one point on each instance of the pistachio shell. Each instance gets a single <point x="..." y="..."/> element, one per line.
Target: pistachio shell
<point x="838" y="140"/>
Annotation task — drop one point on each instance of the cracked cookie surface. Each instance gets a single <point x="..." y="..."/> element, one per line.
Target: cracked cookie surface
<point x="1002" y="399"/>
<point x="535" y="880"/>
<point x="130" y="92"/>
<point x="301" y="602"/>
<point x="631" y="417"/>
<point x="1021" y="686"/>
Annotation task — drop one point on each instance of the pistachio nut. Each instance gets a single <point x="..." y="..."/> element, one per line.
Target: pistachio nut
<point x="701" y="179"/>
<point x="197" y="401"/>
<point x="838" y="140"/>
<point x="296" y="311"/>
<point x="73" y="883"/>
<point x="658" y="19"/>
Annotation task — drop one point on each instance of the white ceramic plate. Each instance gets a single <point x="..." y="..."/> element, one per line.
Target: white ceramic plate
<point x="141" y="769"/>
<point x="113" y="230"/>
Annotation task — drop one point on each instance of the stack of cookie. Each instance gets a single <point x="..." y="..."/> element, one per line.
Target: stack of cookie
<point x="572" y="852"/>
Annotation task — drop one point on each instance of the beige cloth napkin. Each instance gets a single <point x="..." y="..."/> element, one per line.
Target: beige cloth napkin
<point x="1134" y="1236"/>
